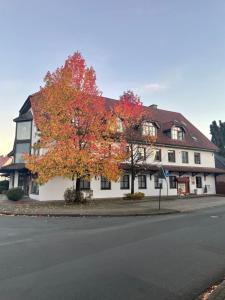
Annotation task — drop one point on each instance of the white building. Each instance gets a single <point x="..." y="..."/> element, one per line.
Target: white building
<point x="181" y="151"/>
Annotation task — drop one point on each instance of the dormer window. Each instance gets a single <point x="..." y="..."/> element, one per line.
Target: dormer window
<point x="177" y="133"/>
<point x="148" y="128"/>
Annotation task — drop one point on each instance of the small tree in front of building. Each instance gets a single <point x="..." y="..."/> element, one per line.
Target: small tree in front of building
<point x="76" y="130"/>
<point x="133" y="115"/>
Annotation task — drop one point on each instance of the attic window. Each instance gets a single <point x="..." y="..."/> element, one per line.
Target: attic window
<point x="148" y="128"/>
<point x="177" y="133"/>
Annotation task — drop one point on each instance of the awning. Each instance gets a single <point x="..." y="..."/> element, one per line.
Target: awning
<point x="13" y="167"/>
<point x="171" y="168"/>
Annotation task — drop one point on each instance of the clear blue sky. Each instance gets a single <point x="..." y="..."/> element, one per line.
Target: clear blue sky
<point x="170" y="52"/>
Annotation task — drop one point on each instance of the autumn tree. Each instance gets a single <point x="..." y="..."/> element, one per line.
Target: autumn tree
<point x="133" y="115"/>
<point x="76" y="134"/>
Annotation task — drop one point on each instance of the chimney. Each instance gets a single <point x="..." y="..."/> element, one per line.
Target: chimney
<point x="153" y="106"/>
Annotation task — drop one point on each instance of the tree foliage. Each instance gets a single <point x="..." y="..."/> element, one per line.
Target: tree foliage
<point x="218" y="135"/>
<point x="139" y="147"/>
<point x="76" y="137"/>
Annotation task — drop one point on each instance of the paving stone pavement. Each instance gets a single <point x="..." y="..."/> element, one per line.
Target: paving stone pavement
<point x="219" y="293"/>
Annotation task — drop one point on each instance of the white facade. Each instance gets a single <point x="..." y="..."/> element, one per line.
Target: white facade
<point x="56" y="187"/>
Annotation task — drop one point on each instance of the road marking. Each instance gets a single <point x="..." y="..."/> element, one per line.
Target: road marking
<point x="14" y="242"/>
<point x="214" y="216"/>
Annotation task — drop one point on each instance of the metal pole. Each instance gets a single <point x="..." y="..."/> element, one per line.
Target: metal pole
<point x="160" y="196"/>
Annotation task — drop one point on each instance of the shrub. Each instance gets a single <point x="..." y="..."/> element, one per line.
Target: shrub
<point x="73" y="196"/>
<point x="135" y="196"/>
<point x="14" y="194"/>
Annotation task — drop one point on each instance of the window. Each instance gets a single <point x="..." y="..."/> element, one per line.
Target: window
<point x="23" y="131"/>
<point x="105" y="184"/>
<point x="173" y="182"/>
<point x="125" y="182"/>
<point x="142" y="182"/>
<point x="20" y="150"/>
<point x="197" y="157"/>
<point x="185" y="159"/>
<point x="149" y="128"/>
<point x="85" y="184"/>
<point x="34" y="187"/>
<point x="119" y="125"/>
<point x="198" y="182"/>
<point x="158" y="182"/>
<point x="171" y="156"/>
<point x="158" y="155"/>
<point x="141" y="153"/>
<point x="177" y="133"/>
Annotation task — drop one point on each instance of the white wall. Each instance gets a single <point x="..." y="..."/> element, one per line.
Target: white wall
<point x="55" y="188"/>
<point x="207" y="158"/>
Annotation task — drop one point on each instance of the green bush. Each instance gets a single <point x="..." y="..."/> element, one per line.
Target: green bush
<point x="15" y="194"/>
<point x="73" y="196"/>
<point x="135" y="196"/>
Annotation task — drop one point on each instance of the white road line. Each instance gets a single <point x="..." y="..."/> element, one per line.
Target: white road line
<point x="15" y="242"/>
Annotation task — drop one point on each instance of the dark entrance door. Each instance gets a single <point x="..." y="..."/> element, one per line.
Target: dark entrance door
<point x="23" y="183"/>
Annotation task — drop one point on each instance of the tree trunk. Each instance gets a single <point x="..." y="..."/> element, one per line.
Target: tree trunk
<point x="78" y="184"/>
<point x="78" y="197"/>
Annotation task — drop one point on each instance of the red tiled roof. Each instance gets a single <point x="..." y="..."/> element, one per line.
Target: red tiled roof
<point x="4" y="160"/>
<point x="193" y="137"/>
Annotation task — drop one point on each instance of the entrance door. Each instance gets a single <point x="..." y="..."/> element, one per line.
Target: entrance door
<point x="23" y="183"/>
<point x="183" y="185"/>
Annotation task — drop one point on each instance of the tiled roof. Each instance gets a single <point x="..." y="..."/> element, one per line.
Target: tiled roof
<point x="193" y="137"/>
<point x="4" y="160"/>
<point x="24" y="117"/>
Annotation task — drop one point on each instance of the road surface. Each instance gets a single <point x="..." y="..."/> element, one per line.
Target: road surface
<point x="157" y="257"/>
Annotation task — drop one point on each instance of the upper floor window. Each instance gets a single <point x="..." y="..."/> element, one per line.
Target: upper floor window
<point x="158" y="155"/>
<point x="141" y="153"/>
<point x="149" y="128"/>
<point x="171" y="156"/>
<point x="119" y="125"/>
<point x="185" y="159"/>
<point x="20" y="150"/>
<point x="197" y="158"/>
<point x="23" y="130"/>
<point x="177" y="133"/>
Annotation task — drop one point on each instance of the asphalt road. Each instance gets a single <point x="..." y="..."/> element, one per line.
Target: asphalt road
<point x="158" y="257"/>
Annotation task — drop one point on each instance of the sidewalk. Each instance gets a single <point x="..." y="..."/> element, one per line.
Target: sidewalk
<point x="219" y="293"/>
<point x="108" y="207"/>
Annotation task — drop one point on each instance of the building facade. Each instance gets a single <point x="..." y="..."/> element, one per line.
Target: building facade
<point x="182" y="160"/>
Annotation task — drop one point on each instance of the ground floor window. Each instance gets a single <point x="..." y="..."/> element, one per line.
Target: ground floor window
<point x="198" y="182"/>
<point x="85" y="184"/>
<point x="173" y="182"/>
<point x="105" y="184"/>
<point x="142" y="184"/>
<point x="158" y="182"/>
<point x="34" y="187"/>
<point x="125" y="182"/>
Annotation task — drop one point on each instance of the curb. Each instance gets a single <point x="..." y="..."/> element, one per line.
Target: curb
<point x="75" y="215"/>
